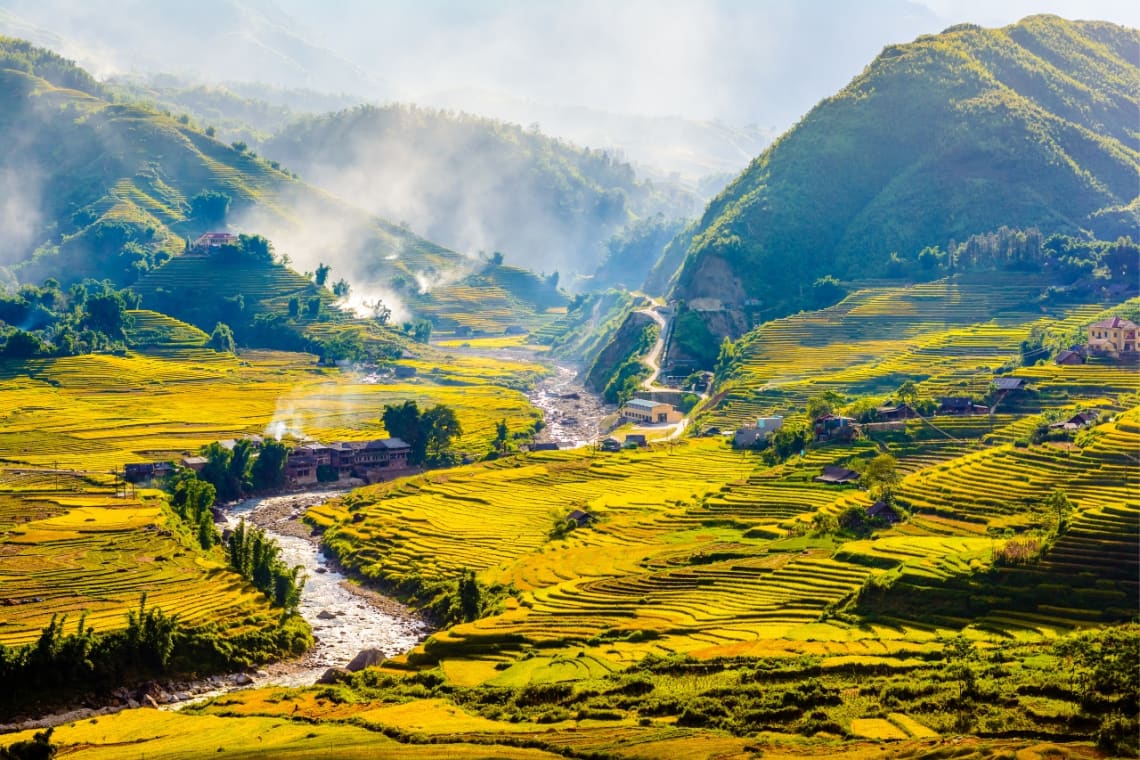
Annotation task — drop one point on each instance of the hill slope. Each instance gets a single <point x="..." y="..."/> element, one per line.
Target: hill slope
<point x="951" y="135"/>
<point x="101" y="189"/>
<point x="476" y="184"/>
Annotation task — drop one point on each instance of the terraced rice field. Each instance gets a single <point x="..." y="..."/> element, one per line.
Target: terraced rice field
<point x="949" y="336"/>
<point x="73" y="545"/>
<point x="97" y="412"/>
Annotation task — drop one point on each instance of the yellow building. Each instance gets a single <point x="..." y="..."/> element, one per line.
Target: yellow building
<point x="651" y="412"/>
<point x="1113" y="336"/>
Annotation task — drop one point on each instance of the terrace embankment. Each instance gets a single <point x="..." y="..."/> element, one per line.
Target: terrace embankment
<point x="345" y="617"/>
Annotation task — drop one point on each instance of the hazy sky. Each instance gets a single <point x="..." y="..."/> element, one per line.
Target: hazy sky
<point x="763" y="62"/>
<point x="742" y="61"/>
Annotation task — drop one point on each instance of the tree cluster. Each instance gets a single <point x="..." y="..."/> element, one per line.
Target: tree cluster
<point x="45" y="321"/>
<point x="429" y="433"/>
<point x="258" y="559"/>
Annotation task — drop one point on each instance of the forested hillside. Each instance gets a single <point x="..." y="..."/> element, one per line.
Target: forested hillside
<point x="98" y="189"/>
<point x="475" y="184"/>
<point x="956" y="134"/>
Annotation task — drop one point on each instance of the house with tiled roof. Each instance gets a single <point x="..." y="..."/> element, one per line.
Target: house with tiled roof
<point x="1115" y="335"/>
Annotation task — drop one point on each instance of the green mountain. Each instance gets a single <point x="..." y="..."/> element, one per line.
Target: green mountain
<point x="476" y="184"/>
<point x="955" y="134"/>
<point x="94" y="188"/>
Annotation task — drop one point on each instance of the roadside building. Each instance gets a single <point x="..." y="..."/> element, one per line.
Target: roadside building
<point x="649" y="412"/>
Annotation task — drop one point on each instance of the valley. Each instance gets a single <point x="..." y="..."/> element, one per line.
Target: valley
<point x="846" y="466"/>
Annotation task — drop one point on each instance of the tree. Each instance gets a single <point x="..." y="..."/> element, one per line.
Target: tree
<point x="313" y="307"/>
<point x="24" y="345"/>
<point x="209" y="207"/>
<point x="268" y="470"/>
<point x="403" y="421"/>
<point x="501" y="435"/>
<point x="322" y="275"/>
<point x="379" y="311"/>
<point x="421" y="331"/>
<point x="294" y="307"/>
<point x="222" y="338"/>
<point x="817" y="407"/>
<point x="1059" y="504"/>
<point x="827" y="290"/>
<point x="106" y="313"/>
<point x="469" y="596"/>
<point x="441" y="427"/>
<point x="908" y="393"/>
<point x="881" y="477"/>
<point x="341" y="288"/>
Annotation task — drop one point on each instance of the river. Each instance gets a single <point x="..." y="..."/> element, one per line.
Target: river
<point x="573" y="414"/>
<point x="345" y="617"/>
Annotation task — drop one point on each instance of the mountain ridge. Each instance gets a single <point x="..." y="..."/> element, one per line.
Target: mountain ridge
<point x="927" y="145"/>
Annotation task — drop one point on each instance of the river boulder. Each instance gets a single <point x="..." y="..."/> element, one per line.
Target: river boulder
<point x="366" y="659"/>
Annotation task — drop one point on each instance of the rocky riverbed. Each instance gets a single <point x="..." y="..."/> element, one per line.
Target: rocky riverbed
<point x="346" y="617"/>
<point x="573" y="414"/>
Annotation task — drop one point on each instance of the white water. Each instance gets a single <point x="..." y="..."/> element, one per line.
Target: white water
<point x="356" y="623"/>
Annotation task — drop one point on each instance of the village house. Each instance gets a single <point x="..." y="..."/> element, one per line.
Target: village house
<point x="836" y="475"/>
<point x="194" y="463"/>
<point x="960" y="405"/>
<point x="881" y="510"/>
<point x="610" y="444"/>
<point x="137" y="472"/>
<point x="580" y="518"/>
<point x="210" y="241"/>
<point x="403" y="371"/>
<point x="1070" y="357"/>
<point x="650" y="412"/>
<point x="635" y="439"/>
<point x="1113" y="336"/>
<point x="300" y="469"/>
<point x="1078" y="421"/>
<point x="748" y="436"/>
<point x="544" y="446"/>
<point x="1009" y="384"/>
<point x="895" y="413"/>
<point x="835" y="427"/>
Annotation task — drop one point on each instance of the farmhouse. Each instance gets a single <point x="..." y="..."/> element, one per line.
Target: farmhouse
<point x="835" y="427"/>
<point x="960" y="405"/>
<point x="1113" y="336"/>
<point x="580" y="518"/>
<point x="611" y="444"/>
<point x="1076" y="422"/>
<point x="749" y="435"/>
<point x="881" y="510"/>
<point x="650" y="412"/>
<point x="403" y="371"/>
<point x="300" y="468"/>
<point x="194" y="463"/>
<point x="836" y="475"/>
<point x="635" y="439"/>
<point x="1070" y="357"/>
<point x="893" y="413"/>
<point x="136" y="472"/>
<point x="1009" y="384"/>
<point x="361" y="458"/>
<point x="211" y="240"/>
